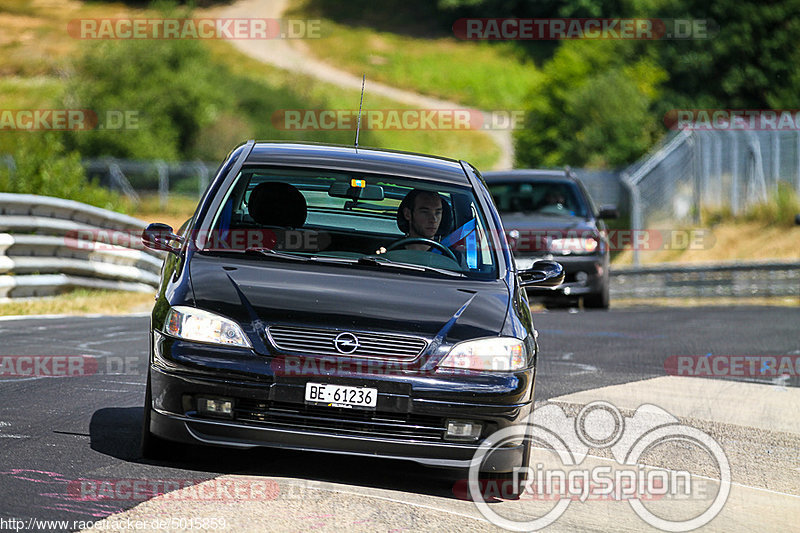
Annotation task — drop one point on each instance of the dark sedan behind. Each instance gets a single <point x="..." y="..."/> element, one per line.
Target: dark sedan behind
<point x="548" y="214"/>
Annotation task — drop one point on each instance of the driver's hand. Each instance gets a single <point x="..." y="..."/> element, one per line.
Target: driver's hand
<point x="380" y="250"/>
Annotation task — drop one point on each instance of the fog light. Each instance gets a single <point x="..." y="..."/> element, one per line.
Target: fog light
<point x="463" y="430"/>
<point x="218" y="407"/>
<point x="581" y="277"/>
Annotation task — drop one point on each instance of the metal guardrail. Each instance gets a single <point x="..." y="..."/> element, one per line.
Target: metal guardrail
<point x="51" y="245"/>
<point x="751" y="279"/>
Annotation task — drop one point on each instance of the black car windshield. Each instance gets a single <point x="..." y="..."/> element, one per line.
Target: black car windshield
<point x="353" y="219"/>
<point x="557" y="198"/>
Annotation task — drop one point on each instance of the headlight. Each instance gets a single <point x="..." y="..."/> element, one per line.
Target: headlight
<point x="574" y="245"/>
<point x="197" y="325"/>
<point x="493" y="354"/>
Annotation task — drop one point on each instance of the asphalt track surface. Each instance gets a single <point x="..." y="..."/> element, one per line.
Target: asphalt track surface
<point x="56" y="431"/>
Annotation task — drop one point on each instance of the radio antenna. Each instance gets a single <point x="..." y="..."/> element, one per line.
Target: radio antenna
<point x="358" y="124"/>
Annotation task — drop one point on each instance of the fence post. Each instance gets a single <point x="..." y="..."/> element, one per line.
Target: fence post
<point x="735" y="174"/>
<point x="636" y="213"/>
<point x="12" y="167"/>
<point x="118" y="178"/>
<point x="202" y="179"/>
<point x="797" y="153"/>
<point x="718" y="171"/>
<point x="694" y="140"/>
<point x="163" y="183"/>
<point x="776" y="159"/>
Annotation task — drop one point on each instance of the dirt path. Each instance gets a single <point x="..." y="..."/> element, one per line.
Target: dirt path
<point x="292" y="55"/>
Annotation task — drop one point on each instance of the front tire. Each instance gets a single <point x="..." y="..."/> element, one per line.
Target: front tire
<point x="151" y="447"/>
<point x="600" y="300"/>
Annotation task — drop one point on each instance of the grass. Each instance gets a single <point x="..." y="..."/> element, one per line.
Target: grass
<point x="726" y="242"/>
<point x="473" y="146"/>
<point x="81" y="302"/>
<point x="35" y="61"/>
<point x="490" y="76"/>
<point x="178" y="209"/>
<point x="765" y="231"/>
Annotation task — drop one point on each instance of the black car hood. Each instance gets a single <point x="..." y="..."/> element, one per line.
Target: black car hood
<point x="262" y="291"/>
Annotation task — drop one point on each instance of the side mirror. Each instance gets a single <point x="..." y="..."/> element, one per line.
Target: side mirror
<point x="544" y="274"/>
<point x="158" y="236"/>
<point x="609" y="212"/>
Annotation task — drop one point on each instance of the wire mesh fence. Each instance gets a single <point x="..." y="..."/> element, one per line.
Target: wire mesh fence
<point x="693" y="170"/>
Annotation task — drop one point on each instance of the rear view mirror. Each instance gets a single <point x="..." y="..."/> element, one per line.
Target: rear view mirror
<point x="342" y="189"/>
<point x="609" y="212"/>
<point x="544" y="274"/>
<point x="157" y="236"/>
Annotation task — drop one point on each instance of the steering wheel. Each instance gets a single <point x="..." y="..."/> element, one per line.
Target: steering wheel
<point x="410" y="240"/>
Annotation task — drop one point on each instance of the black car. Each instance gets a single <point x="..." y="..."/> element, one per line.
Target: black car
<point x="343" y="300"/>
<point x="548" y="214"/>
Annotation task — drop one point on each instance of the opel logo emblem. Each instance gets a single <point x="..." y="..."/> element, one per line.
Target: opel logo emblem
<point x="346" y="342"/>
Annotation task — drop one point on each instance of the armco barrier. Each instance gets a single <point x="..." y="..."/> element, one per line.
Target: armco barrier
<point x="752" y="279"/>
<point x="40" y="255"/>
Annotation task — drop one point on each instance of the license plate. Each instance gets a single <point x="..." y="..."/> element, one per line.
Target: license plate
<point x="341" y="395"/>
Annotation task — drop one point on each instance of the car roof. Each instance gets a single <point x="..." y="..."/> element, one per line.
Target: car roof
<point x="526" y="174"/>
<point x="361" y="159"/>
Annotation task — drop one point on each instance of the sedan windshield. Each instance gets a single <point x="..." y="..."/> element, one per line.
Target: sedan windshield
<point x="559" y="198"/>
<point x="369" y="220"/>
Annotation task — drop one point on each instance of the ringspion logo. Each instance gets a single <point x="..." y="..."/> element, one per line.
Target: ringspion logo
<point x="566" y="481"/>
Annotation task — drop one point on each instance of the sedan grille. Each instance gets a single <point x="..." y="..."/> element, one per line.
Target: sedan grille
<point x="312" y="341"/>
<point x="343" y="421"/>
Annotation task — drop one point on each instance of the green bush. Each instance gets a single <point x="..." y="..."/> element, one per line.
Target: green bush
<point x="593" y="107"/>
<point x="45" y="168"/>
<point x="171" y="88"/>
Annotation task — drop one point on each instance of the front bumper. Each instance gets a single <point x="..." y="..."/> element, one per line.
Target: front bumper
<point x="269" y="410"/>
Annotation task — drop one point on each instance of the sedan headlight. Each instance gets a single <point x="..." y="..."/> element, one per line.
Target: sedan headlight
<point x="493" y="354"/>
<point x="195" y="324"/>
<point x="574" y="245"/>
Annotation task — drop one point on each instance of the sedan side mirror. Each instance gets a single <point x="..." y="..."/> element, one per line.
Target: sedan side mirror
<point x="545" y="274"/>
<point x="609" y="212"/>
<point x="157" y="236"/>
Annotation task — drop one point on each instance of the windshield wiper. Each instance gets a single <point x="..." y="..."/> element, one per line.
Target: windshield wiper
<point x="367" y="260"/>
<point x="269" y="252"/>
<point x="380" y="261"/>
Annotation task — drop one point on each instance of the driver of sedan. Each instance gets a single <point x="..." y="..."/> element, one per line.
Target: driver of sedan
<point x="424" y="214"/>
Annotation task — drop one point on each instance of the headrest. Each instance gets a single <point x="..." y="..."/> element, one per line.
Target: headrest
<point x="445" y="226"/>
<point x="275" y="203"/>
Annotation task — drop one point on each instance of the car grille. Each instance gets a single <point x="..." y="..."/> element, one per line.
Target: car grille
<point x="322" y="342"/>
<point x="340" y="420"/>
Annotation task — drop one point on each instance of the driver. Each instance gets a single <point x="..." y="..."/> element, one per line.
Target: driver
<point x="424" y="214"/>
